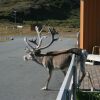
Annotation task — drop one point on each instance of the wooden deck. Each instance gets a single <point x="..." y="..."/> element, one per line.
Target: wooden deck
<point x="94" y="71"/>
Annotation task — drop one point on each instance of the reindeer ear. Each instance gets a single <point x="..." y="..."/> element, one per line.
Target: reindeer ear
<point x="30" y="53"/>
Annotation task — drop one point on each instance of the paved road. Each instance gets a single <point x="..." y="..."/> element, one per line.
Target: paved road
<point x="21" y="80"/>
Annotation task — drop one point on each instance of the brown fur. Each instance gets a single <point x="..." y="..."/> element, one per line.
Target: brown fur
<point x="59" y="60"/>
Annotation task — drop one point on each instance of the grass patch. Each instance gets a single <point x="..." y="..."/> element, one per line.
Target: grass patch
<point x="88" y="95"/>
<point x="11" y="30"/>
<point x="66" y="27"/>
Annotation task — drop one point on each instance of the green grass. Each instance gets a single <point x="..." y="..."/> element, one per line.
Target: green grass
<point x="8" y="5"/>
<point x="7" y="28"/>
<point x="88" y="95"/>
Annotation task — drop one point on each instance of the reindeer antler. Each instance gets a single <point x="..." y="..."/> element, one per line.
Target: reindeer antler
<point x="53" y="33"/>
<point x="28" y="44"/>
<point x="38" y="44"/>
<point x="40" y="38"/>
<point x="34" y="40"/>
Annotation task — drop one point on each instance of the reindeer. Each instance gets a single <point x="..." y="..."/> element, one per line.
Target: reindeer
<point x="54" y="59"/>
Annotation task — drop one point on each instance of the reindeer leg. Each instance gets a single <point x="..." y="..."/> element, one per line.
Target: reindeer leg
<point x="82" y="68"/>
<point x="48" y="80"/>
<point x="82" y="77"/>
<point x="89" y="77"/>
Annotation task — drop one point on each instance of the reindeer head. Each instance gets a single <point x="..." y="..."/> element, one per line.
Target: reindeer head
<point x="34" y="46"/>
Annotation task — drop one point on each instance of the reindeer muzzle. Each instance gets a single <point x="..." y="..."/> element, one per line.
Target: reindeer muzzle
<point x="27" y="57"/>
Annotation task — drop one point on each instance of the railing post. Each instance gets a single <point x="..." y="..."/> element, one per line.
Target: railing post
<point x="74" y="80"/>
<point x="69" y="84"/>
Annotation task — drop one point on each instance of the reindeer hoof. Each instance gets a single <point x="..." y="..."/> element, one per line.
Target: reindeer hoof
<point x="44" y="88"/>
